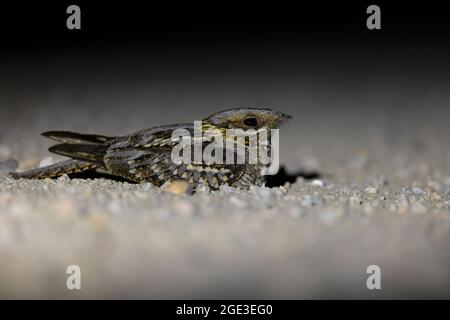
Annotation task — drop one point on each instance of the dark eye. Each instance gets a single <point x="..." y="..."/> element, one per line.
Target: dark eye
<point x="251" y="122"/>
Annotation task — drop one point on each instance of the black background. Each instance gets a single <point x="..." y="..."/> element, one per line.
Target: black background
<point x="41" y="25"/>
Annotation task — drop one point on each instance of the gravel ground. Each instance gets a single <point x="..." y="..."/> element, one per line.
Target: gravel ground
<point x="310" y="239"/>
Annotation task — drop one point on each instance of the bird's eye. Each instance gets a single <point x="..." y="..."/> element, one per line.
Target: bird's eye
<point x="251" y="122"/>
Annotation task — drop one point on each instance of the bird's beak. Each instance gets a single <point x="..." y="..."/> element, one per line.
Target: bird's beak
<point x="285" y="118"/>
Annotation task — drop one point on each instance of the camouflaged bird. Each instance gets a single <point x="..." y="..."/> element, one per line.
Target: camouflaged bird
<point x="145" y="156"/>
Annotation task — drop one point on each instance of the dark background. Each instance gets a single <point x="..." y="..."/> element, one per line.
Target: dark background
<point x="41" y="26"/>
<point x="29" y="27"/>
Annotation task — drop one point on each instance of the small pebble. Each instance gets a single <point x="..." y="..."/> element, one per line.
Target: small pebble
<point x="9" y="165"/>
<point x="47" y="161"/>
<point x="177" y="187"/>
<point x="317" y="182"/>
<point x="418" y="191"/>
<point x="371" y="190"/>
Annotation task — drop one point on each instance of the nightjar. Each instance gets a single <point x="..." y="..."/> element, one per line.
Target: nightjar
<point x="148" y="155"/>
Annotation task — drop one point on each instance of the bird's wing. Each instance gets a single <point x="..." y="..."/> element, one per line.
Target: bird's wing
<point x="147" y="156"/>
<point x="144" y="155"/>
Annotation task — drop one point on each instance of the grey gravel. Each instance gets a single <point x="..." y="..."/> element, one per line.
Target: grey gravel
<point x="9" y="165"/>
<point x="304" y="240"/>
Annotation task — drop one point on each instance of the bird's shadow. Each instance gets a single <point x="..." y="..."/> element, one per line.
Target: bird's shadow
<point x="282" y="177"/>
<point x="97" y="175"/>
<point x="272" y="181"/>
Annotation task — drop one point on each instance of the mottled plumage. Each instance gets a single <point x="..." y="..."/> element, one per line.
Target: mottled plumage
<point x="145" y="156"/>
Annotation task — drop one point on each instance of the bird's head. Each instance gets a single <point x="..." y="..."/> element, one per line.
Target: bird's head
<point x="248" y="118"/>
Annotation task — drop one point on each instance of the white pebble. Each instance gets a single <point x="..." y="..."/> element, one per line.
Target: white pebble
<point x="418" y="191"/>
<point x="47" y="161"/>
<point x="371" y="190"/>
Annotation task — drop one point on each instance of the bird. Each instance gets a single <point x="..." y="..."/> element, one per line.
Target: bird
<point x="147" y="155"/>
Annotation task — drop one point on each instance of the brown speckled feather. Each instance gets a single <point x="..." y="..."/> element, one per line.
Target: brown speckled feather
<point x="145" y="156"/>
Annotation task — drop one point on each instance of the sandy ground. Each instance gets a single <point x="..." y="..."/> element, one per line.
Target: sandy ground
<point x="382" y="196"/>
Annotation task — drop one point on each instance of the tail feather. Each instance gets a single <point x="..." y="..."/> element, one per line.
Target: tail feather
<point x="55" y="170"/>
<point x="86" y="152"/>
<point x="76" y="138"/>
